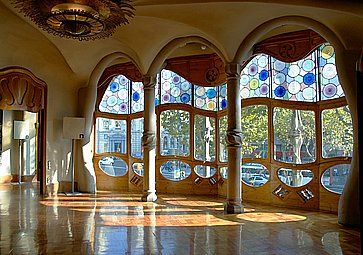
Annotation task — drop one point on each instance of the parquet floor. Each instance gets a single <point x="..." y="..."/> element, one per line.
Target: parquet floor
<point x="119" y="224"/>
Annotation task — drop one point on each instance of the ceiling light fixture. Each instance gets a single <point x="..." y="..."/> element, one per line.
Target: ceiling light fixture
<point x="78" y="19"/>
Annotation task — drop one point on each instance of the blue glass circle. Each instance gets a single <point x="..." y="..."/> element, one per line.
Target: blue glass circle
<point x="136" y="96"/>
<point x="263" y="75"/>
<point x="224" y="104"/>
<point x="211" y="93"/>
<point x="280" y="91"/>
<point x="309" y="78"/>
<point x="185" y="97"/>
<point x="114" y="86"/>
<point x="156" y="102"/>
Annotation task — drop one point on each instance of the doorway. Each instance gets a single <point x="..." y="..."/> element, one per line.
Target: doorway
<point x="23" y="126"/>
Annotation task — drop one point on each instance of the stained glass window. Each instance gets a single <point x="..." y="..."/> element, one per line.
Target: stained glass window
<point x="157" y="90"/>
<point x="254" y="79"/>
<point x="137" y="96"/>
<point x="223" y="97"/>
<point x="174" y="88"/>
<point x="116" y="97"/>
<point x="330" y="85"/>
<point x="295" y="81"/>
<point x="205" y="97"/>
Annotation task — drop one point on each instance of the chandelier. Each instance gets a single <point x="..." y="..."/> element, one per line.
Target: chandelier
<point x="78" y="19"/>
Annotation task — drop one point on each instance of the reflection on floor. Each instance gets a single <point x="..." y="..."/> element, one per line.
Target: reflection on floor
<point x="119" y="224"/>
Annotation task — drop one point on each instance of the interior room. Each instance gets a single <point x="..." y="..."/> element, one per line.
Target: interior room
<point x="180" y="127"/>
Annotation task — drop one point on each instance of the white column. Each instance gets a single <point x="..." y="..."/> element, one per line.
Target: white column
<point x="234" y="140"/>
<point x="149" y="139"/>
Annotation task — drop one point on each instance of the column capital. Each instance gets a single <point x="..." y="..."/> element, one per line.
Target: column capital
<point x="149" y="81"/>
<point x="233" y="70"/>
<point x="149" y="140"/>
<point x="234" y="138"/>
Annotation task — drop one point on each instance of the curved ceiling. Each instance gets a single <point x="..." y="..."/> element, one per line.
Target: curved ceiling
<point x="225" y="24"/>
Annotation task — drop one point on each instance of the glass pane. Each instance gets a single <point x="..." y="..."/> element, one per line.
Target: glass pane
<point x="255" y="78"/>
<point x="295" y="81"/>
<point x="295" y="178"/>
<point x="205" y="171"/>
<point x="138" y="168"/>
<point x="294" y="135"/>
<point x="137" y="102"/>
<point x="330" y="85"/>
<point x="224" y="172"/>
<point x="223" y="155"/>
<point x="137" y="127"/>
<point x="174" y="88"/>
<point x="111" y="135"/>
<point x="255" y="131"/>
<point x="254" y="174"/>
<point x="175" y="170"/>
<point x="337" y="132"/>
<point x="116" y="97"/>
<point x="205" y="97"/>
<point x="113" y="166"/>
<point x="223" y="97"/>
<point x="204" y="138"/>
<point x="174" y="133"/>
<point x="335" y="177"/>
<point x="157" y="90"/>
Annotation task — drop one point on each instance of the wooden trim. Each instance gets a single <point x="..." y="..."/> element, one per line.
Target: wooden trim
<point x="22" y="90"/>
<point x="290" y="47"/>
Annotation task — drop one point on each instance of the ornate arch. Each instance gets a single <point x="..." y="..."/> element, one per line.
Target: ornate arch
<point x="163" y="54"/>
<point x="21" y="90"/>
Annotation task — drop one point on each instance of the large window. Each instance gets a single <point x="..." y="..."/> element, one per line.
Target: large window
<point x="290" y="127"/>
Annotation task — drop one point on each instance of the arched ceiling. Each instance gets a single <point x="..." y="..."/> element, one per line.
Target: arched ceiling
<point x="157" y="22"/>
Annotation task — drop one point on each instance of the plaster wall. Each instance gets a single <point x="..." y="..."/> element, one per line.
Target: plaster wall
<point x="24" y="46"/>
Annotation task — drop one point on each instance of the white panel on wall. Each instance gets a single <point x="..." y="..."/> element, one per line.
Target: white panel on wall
<point x="73" y="128"/>
<point x="21" y="129"/>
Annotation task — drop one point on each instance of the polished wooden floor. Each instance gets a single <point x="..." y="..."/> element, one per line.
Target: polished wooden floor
<point x="119" y="224"/>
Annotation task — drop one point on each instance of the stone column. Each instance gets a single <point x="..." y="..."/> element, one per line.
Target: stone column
<point x="234" y="140"/>
<point x="149" y="139"/>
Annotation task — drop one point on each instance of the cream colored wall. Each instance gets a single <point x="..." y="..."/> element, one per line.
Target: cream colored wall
<point x="24" y="46"/>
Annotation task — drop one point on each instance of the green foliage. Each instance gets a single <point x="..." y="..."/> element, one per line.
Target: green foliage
<point x="283" y="126"/>
<point x="254" y="123"/>
<point x="176" y="124"/>
<point x="337" y="132"/>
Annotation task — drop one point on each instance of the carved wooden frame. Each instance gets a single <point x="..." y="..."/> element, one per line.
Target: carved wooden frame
<point x="21" y="90"/>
